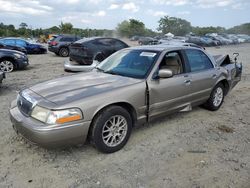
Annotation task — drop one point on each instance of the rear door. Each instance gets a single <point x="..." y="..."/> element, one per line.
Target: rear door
<point x="105" y="46"/>
<point x="118" y="45"/>
<point x="203" y="74"/>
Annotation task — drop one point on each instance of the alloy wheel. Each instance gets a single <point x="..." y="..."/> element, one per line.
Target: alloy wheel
<point x="6" y="66"/>
<point x="218" y="97"/>
<point x="114" y="130"/>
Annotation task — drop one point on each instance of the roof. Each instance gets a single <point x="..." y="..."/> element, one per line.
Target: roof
<point x="162" y="47"/>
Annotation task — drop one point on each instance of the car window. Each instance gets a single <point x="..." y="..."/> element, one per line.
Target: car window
<point x="198" y="60"/>
<point x="67" y="39"/>
<point x="118" y="44"/>
<point x="103" y="42"/>
<point x="172" y="61"/>
<point x="20" y="43"/>
<point x="9" y="42"/>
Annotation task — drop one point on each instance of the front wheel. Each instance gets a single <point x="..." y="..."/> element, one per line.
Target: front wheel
<point x="111" y="129"/>
<point x="6" y="66"/>
<point x="216" y="98"/>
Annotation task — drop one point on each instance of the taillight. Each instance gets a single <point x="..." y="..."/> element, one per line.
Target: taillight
<point x="53" y="43"/>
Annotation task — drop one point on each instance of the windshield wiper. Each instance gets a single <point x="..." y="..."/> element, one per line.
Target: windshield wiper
<point x="111" y="72"/>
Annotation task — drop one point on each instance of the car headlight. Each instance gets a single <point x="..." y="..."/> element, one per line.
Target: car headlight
<point x="56" y="116"/>
<point x="17" y="55"/>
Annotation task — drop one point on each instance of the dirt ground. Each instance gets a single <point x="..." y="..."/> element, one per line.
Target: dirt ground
<point x="196" y="149"/>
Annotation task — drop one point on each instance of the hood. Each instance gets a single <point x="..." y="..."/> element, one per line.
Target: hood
<point x="222" y="59"/>
<point x="11" y="51"/>
<point x="72" y="88"/>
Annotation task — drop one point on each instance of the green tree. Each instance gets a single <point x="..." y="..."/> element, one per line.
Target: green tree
<point x="240" y="29"/>
<point x="66" y="27"/>
<point x="174" y="25"/>
<point x="131" y="27"/>
<point x="204" y="30"/>
<point x="23" y="25"/>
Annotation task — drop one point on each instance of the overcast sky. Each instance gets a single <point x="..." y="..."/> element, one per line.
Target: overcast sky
<point x="107" y="13"/>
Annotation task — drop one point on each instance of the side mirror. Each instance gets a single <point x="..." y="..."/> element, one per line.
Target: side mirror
<point x="165" y="73"/>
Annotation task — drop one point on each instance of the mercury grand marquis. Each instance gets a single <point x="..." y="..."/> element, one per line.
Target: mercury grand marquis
<point x="132" y="86"/>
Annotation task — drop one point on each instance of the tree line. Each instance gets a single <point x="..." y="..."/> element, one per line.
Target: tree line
<point x="126" y="28"/>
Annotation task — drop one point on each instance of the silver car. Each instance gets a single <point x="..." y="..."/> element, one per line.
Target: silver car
<point x="132" y="86"/>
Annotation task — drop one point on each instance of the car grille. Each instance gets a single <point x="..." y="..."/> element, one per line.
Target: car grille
<point x="24" y="106"/>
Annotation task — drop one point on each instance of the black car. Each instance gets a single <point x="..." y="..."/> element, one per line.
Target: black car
<point x="86" y="50"/>
<point x="30" y="47"/>
<point x="12" y="59"/>
<point x="147" y="41"/>
<point x="60" y="44"/>
<point x="9" y="47"/>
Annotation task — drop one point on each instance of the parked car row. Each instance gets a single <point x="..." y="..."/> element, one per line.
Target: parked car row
<point x="210" y="39"/>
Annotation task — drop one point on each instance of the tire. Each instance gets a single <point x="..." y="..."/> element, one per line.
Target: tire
<point x="64" y="52"/>
<point x="6" y="65"/>
<point x="105" y="136"/>
<point x="216" y="98"/>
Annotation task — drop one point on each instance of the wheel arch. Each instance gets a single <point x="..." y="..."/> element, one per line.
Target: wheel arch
<point x="99" y="55"/>
<point x="63" y="47"/>
<point x="225" y="83"/>
<point x="12" y="59"/>
<point x="127" y="106"/>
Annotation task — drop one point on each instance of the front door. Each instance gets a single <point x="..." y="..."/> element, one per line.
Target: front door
<point x="169" y="94"/>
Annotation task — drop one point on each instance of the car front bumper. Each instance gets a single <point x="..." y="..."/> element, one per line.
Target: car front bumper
<point x="22" y="62"/>
<point x="69" y="66"/>
<point x="48" y="136"/>
<point x="2" y="76"/>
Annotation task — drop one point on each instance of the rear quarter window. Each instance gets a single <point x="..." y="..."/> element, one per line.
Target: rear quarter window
<point x="119" y="44"/>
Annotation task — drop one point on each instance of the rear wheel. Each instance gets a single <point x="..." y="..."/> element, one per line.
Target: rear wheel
<point x="111" y="129"/>
<point x="64" y="52"/>
<point x="6" y="66"/>
<point x="216" y="98"/>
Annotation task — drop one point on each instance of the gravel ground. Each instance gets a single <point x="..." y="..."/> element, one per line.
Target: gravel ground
<point x="193" y="149"/>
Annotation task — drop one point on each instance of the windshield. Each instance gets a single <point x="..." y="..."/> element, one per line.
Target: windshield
<point x="130" y="63"/>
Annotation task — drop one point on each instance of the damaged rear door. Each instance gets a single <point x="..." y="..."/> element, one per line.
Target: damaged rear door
<point x="233" y="67"/>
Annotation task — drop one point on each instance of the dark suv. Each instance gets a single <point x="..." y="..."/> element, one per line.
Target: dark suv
<point x="60" y="44"/>
<point x="86" y="50"/>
